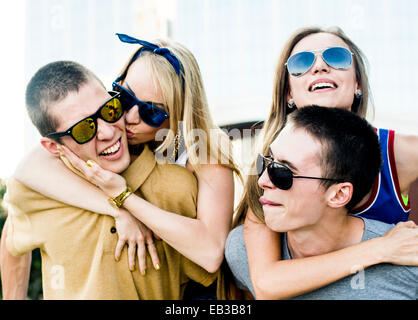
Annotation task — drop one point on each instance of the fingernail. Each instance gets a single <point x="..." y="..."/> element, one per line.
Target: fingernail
<point x="143" y="272"/>
<point x="89" y="163"/>
<point x="157" y="266"/>
<point x="117" y="259"/>
<point x="133" y="268"/>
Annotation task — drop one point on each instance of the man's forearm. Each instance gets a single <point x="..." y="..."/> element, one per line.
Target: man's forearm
<point x="15" y="271"/>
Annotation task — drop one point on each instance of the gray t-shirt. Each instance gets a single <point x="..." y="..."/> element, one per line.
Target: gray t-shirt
<point x="379" y="282"/>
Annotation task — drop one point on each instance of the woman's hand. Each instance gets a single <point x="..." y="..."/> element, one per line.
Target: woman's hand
<point x="401" y="244"/>
<point x="112" y="184"/>
<point x="132" y="232"/>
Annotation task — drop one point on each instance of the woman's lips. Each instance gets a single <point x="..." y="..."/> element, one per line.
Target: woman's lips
<point x="323" y="90"/>
<point x="266" y="202"/>
<point x="321" y="85"/>
<point x="129" y="134"/>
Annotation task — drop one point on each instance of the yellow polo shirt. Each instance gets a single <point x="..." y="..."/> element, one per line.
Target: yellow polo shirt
<point x="77" y="246"/>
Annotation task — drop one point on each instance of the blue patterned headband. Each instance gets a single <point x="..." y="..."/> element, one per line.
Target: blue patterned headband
<point x="147" y="46"/>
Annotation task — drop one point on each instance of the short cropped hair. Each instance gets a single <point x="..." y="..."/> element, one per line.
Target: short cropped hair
<point x="350" y="147"/>
<point x="50" y="84"/>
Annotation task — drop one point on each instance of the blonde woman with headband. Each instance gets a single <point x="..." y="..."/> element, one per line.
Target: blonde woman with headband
<point x="324" y="67"/>
<point x="162" y="92"/>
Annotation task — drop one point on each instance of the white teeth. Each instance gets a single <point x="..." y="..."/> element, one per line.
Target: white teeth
<point x="322" y="85"/>
<point x="111" y="149"/>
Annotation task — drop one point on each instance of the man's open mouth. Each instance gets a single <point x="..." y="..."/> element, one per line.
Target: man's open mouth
<point x="111" y="150"/>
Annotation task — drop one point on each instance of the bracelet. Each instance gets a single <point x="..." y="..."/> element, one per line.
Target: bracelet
<point x="117" y="201"/>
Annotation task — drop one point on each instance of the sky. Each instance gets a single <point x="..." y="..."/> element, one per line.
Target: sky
<point x="235" y="42"/>
<point x="12" y="53"/>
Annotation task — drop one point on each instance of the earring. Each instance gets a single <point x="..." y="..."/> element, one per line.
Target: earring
<point x="358" y="94"/>
<point x="291" y="104"/>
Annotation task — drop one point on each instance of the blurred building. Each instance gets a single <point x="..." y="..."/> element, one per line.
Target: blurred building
<point x="236" y="43"/>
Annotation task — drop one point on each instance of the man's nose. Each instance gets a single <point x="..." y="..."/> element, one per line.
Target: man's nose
<point x="264" y="181"/>
<point x="105" y="130"/>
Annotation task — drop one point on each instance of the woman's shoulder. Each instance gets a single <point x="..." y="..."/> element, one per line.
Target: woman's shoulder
<point x="407" y="140"/>
<point x="405" y="148"/>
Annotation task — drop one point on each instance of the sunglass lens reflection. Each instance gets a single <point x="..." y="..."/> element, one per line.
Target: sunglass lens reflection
<point x="259" y="165"/>
<point x="338" y="58"/>
<point x="84" y="130"/>
<point x="112" y="111"/>
<point x="299" y="63"/>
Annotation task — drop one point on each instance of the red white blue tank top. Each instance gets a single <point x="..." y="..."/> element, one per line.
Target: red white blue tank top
<point x="385" y="203"/>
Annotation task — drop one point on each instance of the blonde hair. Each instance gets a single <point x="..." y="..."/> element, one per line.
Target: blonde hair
<point x="186" y="101"/>
<point x="279" y="110"/>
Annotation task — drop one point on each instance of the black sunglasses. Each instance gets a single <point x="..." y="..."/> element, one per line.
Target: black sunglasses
<point x="280" y="175"/>
<point x="148" y="112"/>
<point x="85" y="130"/>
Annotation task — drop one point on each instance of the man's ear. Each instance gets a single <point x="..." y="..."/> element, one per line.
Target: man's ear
<point x="338" y="195"/>
<point x="51" y="146"/>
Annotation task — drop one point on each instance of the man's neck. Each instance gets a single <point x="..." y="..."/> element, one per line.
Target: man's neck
<point x="333" y="232"/>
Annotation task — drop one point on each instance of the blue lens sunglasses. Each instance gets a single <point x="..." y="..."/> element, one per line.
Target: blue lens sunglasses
<point x="336" y="57"/>
<point x="148" y="111"/>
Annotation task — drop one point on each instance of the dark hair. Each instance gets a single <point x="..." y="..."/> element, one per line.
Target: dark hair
<point x="351" y="148"/>
<point x="52" y="83"/>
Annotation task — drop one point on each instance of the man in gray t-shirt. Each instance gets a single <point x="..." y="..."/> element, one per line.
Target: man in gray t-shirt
<point x="320" y="166"/>
<point x="380" y="282"/>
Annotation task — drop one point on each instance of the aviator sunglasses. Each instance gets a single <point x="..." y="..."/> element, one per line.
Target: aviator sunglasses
<point x="280" y="175"/>
<point x="85" y="130"/>
<point x="336" y="57"/>
<point x="148" y="112"/>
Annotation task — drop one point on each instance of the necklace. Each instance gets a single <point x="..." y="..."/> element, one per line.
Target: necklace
<point x="176" y="147"/>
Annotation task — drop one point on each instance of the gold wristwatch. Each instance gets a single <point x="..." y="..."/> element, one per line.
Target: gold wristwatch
<point x="118" y="200"/>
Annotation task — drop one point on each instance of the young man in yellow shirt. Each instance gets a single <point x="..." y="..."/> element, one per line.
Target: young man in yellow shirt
<point x="77" y="246"/>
